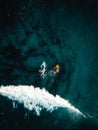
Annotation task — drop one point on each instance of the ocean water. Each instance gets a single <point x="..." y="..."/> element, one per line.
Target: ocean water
<point x="30" y="107"/>
<point x="35" y="36"/>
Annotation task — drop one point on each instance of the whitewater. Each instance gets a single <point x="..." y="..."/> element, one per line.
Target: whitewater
<point x="34" y="98"/>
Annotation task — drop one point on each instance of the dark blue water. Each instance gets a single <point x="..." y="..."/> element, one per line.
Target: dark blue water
<point x="57" y="32"/>
<point x="60" y="119"/>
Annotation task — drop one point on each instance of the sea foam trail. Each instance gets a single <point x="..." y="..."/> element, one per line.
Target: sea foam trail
<point x="37" y="99"/>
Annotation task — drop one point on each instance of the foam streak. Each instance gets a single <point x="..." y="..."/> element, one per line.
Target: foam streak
<point x="36" y="99"/>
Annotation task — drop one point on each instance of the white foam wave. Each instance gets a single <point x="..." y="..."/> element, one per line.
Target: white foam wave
<point x="36" y="99"/>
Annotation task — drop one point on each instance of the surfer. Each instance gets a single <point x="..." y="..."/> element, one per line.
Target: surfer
<point x="56" y="69"/>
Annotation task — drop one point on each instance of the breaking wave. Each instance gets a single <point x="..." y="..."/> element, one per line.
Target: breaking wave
<point x="37" y="99"/>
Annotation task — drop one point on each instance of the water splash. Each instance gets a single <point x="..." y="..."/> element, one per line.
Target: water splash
<point x="37" y="99"/>
<point x="43" y="69"/>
